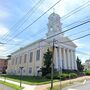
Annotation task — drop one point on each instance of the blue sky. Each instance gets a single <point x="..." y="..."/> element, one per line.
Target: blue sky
<point x="11" y="12"/>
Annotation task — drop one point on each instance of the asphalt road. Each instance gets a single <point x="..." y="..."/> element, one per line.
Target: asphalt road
<point x="79" y="86"/>
<point x="3" y="87"/>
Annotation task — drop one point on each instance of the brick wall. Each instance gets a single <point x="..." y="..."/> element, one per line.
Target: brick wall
<point x="3" y="65"/>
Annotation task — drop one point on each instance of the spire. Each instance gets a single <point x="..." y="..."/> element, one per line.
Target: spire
<point x="54" y="24"/>
<point x="53" y="10"/>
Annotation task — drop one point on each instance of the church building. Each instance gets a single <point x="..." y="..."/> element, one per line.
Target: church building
<point x="31" y="59"/>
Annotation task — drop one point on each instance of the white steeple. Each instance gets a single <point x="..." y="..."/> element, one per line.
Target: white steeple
<point x="54" y="24"/>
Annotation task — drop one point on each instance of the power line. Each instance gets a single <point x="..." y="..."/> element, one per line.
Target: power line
<point x="43" y="30"/>
<point x="37" y="33"/>
<point x="67" y="30"/>
<point x="26" y="17"/>
<point x="76" y="10"/>
<point x="69" y="40"/>
<point x="65" y="42"/>
<point x="20" y="43"/>
<point x="9" y="44"/>
<point x="81" y="20"/>
<point x="89" y="21"/>
<point x="65" y="15"/>
<point x="62" y="28"/>
<point x="70" y="28"/>
<point x="36" y="47"/>
<point x="78" y="33"/>
<point x="80" y="52"/>
<point x="76" y="38"/>
<point x="34" y="21"/>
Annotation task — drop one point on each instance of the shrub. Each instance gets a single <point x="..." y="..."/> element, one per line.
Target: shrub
<point x="87" y="72"/>
<point x="48" y="76"/>
<point x="73" y="75"/>
<point x="69" y="71"/>
<point x="55" y="76"/>
<point x="63" y="76"/>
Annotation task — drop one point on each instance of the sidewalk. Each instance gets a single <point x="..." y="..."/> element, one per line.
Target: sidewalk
<point x="45" y="86"/>
<point x="26" y="87"/>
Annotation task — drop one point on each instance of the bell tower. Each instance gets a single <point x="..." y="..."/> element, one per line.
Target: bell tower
<point x="54" y="24"/>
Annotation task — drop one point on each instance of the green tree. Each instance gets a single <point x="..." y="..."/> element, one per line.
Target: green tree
<point x="79" y="64"/>
<point x="47" y="63"/>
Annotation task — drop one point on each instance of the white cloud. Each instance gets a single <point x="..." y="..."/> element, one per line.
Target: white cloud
<point x="62" y="7"/>
<point x="3" y="30"/>
<point x="2" y="48"/>
<point x="16" y="40"/>
<point x="4" y="14"/>
<point x="82" y="57"/>
<point x="80" y="45"/>
<point x="58" y="8"/>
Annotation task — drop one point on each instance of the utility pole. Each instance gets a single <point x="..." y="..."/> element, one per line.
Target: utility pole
<point x="52" y="66"/>
<point x="60" y="72"/>
<point x="60" y="68"/>
<point x="21" y="75"/>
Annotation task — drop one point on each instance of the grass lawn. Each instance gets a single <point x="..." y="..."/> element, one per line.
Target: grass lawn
<point x="66" y="84"/>
<point x="28" y="79"/>
<point x="13" y="86"/>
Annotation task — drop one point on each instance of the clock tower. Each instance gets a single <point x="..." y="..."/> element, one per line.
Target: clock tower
<point x="54" y="25"/>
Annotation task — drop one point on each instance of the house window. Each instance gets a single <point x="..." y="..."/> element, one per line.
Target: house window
<point x="25" y="58"/>
<point x="20" y="59"/>
<point x="18" y="71"/>
<point x="38" y="55"/>
<point x="12" y="61"/>
<point x="24" y="71"/>
<point x="30" y="70"/>
<point x="16" y="60"/>
<point x="37" y="67"/>
<point x="15" y="71"/>
<point x="31" y="56"/>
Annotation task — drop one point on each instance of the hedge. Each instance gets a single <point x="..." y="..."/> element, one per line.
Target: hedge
<point x="62" y="76"/>
<point x="87" y="72"/>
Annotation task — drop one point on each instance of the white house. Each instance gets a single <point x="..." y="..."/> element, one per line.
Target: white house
<point x="87" y="65"/>
<point x="31" y="56"/>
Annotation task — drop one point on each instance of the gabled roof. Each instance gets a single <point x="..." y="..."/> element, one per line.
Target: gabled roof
<point x="63" y="41"/>
<point x="67" y="41"/>
<point x="31" y="44"/>
<point x="87" y="61"/>
<point x="53" y="15"/>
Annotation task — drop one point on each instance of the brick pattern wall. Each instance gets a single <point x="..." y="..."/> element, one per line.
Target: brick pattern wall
<point x="3" y="65"/>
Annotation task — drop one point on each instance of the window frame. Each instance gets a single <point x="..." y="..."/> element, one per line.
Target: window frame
<point x="16" y="60"/>
<point x="25" y="58"/>
<point x="30" y="57"/>
<point x="30" y="70"/>
<point x="38" y="55"/>
<point x="20" y="59"/>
